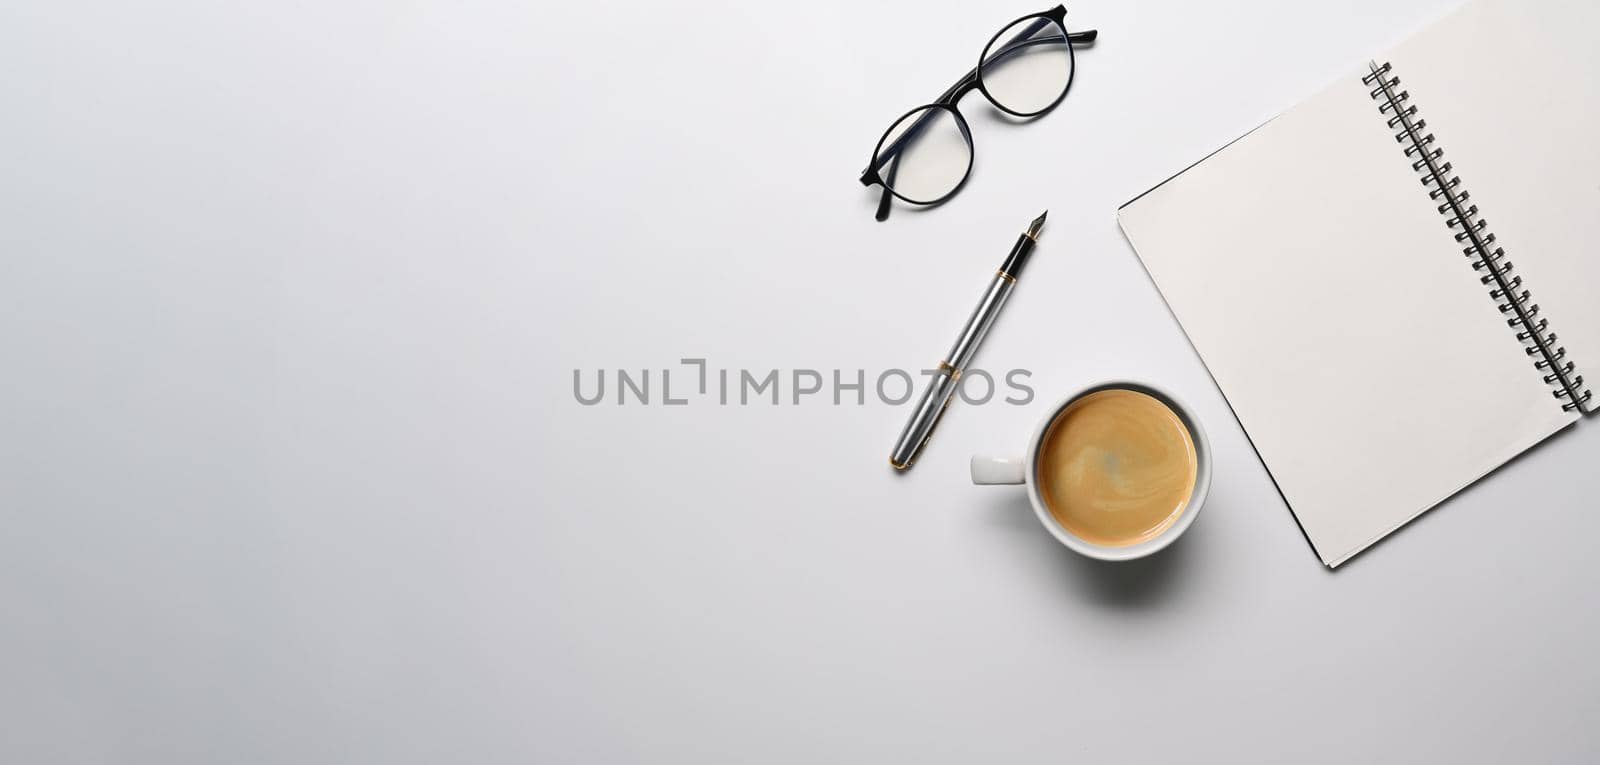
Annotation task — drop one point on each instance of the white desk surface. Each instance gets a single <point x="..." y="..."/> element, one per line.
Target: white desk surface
<point x="294" y="470"/>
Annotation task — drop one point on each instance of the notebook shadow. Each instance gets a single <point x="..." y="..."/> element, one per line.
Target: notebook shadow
<point x="1139" y="584"/>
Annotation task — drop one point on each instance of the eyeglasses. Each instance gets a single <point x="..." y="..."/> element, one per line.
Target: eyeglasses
<point x="924" y="158"/>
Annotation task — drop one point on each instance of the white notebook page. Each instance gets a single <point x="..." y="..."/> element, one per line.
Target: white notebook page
<point x="1511" y="91"/>
<point x="1354" y="342"/>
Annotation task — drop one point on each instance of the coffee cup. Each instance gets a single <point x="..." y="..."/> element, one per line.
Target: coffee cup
<point x="1118" y="452"/>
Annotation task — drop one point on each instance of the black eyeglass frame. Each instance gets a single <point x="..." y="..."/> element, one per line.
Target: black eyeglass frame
<point x="951" y="98"/>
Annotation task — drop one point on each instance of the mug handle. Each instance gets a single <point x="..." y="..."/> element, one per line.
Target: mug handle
<point x="995" y="471"/>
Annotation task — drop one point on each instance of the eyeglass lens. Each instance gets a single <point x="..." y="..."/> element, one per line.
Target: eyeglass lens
<point x="925" y="155"/>
<point x="1027" y="67"/>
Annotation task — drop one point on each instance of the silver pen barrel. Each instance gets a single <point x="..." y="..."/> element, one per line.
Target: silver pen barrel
<point x="942" y="385"/>
<point x="947" y="379"/>
<point x="934" y="401"/>
<point x="966" y="346"/>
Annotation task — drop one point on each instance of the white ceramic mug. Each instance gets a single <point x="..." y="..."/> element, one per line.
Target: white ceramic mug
<point x="1025" y="470"/>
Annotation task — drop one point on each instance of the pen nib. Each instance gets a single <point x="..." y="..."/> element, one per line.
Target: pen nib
<point x="1036" y="226"/>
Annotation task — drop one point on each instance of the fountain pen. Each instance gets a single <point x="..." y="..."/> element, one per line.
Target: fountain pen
<point x="942" y="385"/>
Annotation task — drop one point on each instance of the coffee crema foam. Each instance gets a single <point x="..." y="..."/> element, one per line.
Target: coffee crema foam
<point x="1117" y="467"/>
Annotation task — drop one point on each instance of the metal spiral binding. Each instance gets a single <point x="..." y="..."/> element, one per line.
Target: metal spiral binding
<point x="1462" y="217"/>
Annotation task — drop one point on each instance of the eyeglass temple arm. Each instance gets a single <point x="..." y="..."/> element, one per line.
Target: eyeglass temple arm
<point x="887" y="196"/>
<point x="967" y="81"/>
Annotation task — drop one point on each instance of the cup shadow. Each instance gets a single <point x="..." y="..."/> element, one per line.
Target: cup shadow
<point x="1146" y="582"/>
<point x="1137" y="584"/>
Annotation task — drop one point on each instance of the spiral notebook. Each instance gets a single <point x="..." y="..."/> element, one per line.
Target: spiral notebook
<point x="1393" y="282"/>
